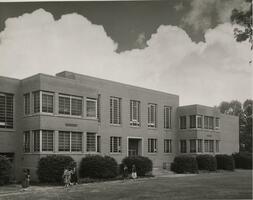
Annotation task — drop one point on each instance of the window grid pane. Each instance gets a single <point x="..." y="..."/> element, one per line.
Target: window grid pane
<point x="27" y="103"/>
<point x="152" y="115"/>
<point x="47" y="140"/>
<point x="115" y="110"/>
<point x="91" y="142"/>
<point x="167" y="146"/>
<point x="36" y="141"/>
<point x="76" y="106"/>
<point x="6" y="110"/>
<point x="64" y="141"/>
<point x="193" y="121"/>
<point x="152" y="145"/>
<point x="183" y="146"/>
<point x="36" y="102"/>
<point x="76" y="141"/>
<point x="47" y="103"/>
<point x="91" y="108"/>
<point x="183" y="122"/>
<point x="134" y="113"/>
<point x="64" y="105"/>
<point x="167" y="117"/>
<point x="192" y="146"/>
<point x="26" y="141"/>
<point x="115" y="144"/>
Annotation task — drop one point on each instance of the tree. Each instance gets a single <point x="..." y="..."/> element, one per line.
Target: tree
<point x="244" y="112"/>
<point x="244" y="19"/>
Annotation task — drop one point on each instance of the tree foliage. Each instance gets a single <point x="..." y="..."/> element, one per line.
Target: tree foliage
<point x="244" y="112"/>
<point x="244" y="19"/>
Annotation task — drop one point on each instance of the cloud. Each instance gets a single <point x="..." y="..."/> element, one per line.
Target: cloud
<point x="205" y="73"/>
<point x="204" y="13"/>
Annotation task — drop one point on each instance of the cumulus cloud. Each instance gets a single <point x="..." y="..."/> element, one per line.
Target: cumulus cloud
<point x="205" y="73"/>
<point x="204" y="13"/>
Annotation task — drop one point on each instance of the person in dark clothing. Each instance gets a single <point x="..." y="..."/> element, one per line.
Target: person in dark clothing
<point x="74" y="178"/>
<point x="125" y="171"/>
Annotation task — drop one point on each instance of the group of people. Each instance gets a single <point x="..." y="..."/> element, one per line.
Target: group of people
<point x="133" y="173"/>
<point x="70" y="176"/>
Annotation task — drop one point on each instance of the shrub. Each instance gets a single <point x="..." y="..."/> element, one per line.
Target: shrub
<point x="98" y="167"/>
<point x="5" y="170"/>
<point x="225" y="162"/>
<point x="184" y="164"/>
<point x="143" y="164"/>
<point x="243" y="160"/>
<point x="206" y="162"/>
<point x="51" y="168"/>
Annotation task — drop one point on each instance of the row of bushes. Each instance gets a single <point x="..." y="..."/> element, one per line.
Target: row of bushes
<point x="191" y="164"/>
<point x="5" y="170"/>
<point x="50" y="168"/>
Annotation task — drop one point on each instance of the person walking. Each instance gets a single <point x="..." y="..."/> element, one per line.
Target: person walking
<point x="26" y="179"/>
<point x="66" y="177"/>
<point x="134" y="173"/>
<point x="74" y="178"/>
<point x="125" y="171"/>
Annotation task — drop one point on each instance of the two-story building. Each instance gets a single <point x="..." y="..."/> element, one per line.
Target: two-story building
<point x="73" y="114"/>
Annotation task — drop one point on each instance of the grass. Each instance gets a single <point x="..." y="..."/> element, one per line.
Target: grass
<point x="226" y="185"/>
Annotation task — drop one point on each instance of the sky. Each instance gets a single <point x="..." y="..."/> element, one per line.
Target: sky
<point x="180" y="47"/>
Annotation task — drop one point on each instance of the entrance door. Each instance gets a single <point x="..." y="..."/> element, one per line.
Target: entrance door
<point x="134" y="147"/>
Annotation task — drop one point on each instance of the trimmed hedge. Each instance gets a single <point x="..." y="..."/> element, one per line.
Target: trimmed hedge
<point x="5" y="170"/>
<point x="243" y="160"/>
<point x="51" y="168"/>
<point x="143" y="164"/>
<point x="225" y="162"/>
<point x="184" y="164"/>
<point x="98" y="167"/>
<point x="206" y="162"/>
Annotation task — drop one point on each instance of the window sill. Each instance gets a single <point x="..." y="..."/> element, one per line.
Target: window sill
<point x="7" y="130"/>
<point x="132" y="126"/>
<point x="115" y="153"/>
<point x="116" y="125"/>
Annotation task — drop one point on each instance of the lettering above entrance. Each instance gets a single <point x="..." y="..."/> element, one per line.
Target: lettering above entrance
<point x="71" y="125"/>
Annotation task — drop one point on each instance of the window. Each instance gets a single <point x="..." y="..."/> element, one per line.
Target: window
<point x="47" y="140"/>
<point x="115" y="110"/>
<point x="192" y="146"/>
<point x="208" y="122"/>
<point x="183" y="146"/>
<point x="167" y="117"/>
<point x="76" y="141"/>
<point x="6" y="110"/>
<point x="134" y="113"/>
<point x="64" y="141"/>
<point x="209" y="146"/>
<point x="36" y="102"/>
<point x="47" y="102"/>
<point x="91" y="142"/>
<point x="98" y="108"/>
<point x="64" y="105"/>
<point x="217" y="123"/>
<point x="200" y="150"/>
<point x="70" y="105"/>
<point x="99" y="143"/>
<point x="152" y="109"/>
<point x="183" y="122"/>
<point x="115" y="144"/>
<point x="199" y="121"/>
<point x="217" y="146"/>
<point x="36" y="141"/>
<point x="43" y="102"/>
<point x="193" y="121"/>
<point x="70" y="141"/>
<point x="91" y="108"/>
<point x="27" y="103"/>
<point x="167" y="146"/>
<point x="152" y="145"/>
<point x="26" y="141"/>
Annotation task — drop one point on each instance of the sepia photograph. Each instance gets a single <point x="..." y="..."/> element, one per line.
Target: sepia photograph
<point x="126" y="100"/>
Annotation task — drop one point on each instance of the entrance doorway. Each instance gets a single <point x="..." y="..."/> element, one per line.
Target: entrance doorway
<point x="134" y="146"/>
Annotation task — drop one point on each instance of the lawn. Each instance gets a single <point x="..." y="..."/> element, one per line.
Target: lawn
<point x="226" y="185"/>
